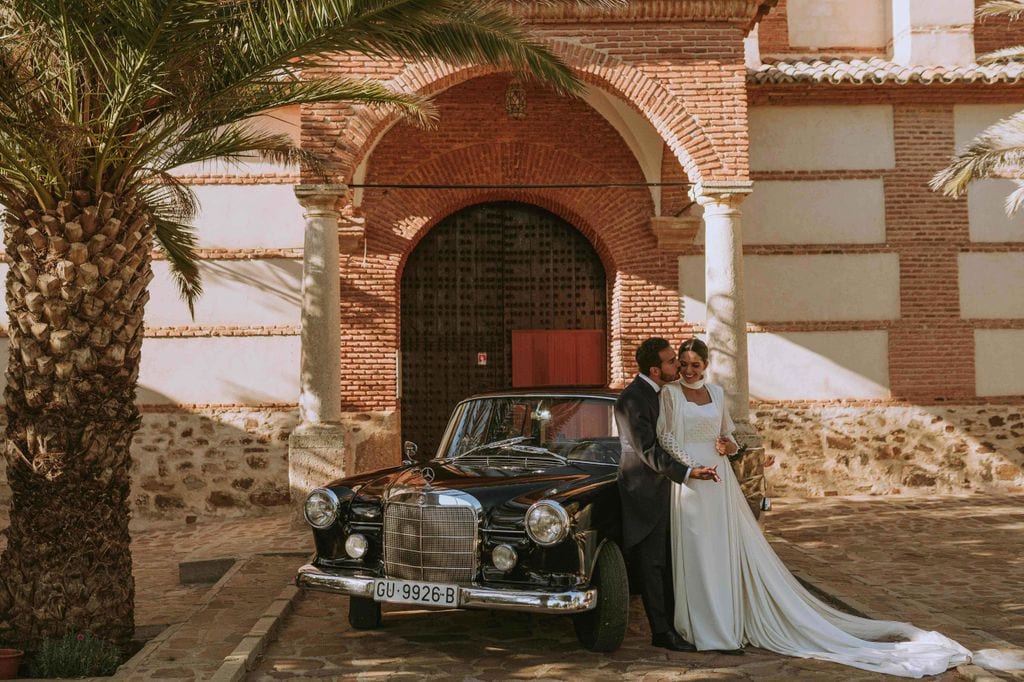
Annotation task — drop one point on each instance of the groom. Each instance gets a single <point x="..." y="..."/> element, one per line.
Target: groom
<point x="645" y="472"/>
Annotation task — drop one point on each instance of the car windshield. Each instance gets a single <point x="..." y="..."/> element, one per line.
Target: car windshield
<point x="578" y="428"/>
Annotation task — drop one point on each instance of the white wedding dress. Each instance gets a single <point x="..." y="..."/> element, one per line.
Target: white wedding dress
<point x="731" y="588"/>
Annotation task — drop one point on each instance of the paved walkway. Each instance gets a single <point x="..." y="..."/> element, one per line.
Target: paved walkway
<point x="950" y="563"/>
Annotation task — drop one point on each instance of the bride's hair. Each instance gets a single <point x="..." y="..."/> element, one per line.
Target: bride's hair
<point x="697" y="346"/>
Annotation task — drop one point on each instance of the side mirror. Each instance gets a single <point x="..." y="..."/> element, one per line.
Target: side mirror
<point x="409" y="450"/>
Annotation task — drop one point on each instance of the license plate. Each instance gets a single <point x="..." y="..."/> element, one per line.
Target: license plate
<point x="413" y="592"/>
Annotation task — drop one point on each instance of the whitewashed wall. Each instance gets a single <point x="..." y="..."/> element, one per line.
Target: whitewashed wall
<point x="999" y="362"/>
<point x="821" y="138"/>
<point x="815" y="212"/>
<point x="838" y="23"/>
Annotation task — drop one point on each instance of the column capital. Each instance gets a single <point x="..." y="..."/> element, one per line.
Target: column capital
<point x="728" y="195"/>
<point x="320" y="197"/>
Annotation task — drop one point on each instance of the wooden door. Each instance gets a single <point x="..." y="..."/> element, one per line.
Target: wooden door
<point x="479" y="275"/>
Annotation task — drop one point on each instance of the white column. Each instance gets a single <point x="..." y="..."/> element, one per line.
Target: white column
<point x="319" y="397"/>
<point x="316" y="449"/>
<point x="726" y="311"/>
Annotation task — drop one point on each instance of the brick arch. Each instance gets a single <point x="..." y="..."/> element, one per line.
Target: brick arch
<point x="532" y="197"/>
<point x="545" y="163"/>
<point x="649" y="97"/>
<point x="643" y="281"/>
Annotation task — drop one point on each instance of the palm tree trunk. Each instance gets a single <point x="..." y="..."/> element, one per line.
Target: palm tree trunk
<point x="76" y="291"/>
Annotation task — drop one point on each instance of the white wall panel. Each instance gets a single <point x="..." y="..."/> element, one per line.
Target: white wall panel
<point x="971" y="119"/>
<point x="235" y="370"/>
<point x="810" y="287"/>
<point x="815" y="212"/>
<point x="986" y="200"/>
<point x="838" y="23"/>
<point x="821" y="137"/>
<point x="991" y="285"/>
<point x="999" y="361"/>
<point x="819" y="365"/>
<point x="248" y="217"/>
<point x="235" y="293"/>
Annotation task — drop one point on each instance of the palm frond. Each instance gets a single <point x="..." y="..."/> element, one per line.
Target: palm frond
<point x="1012" y="8"/>
<point x="107" y="96"/>
<point x="996" y="152"/>
<point x="1015" y="200"/>
<point x="177" y="241"/>
<point x="261" y="97"/>
<point x="1006" y="54"/>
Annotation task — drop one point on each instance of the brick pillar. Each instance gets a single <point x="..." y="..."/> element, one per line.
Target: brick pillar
<point x="931" y="349"/>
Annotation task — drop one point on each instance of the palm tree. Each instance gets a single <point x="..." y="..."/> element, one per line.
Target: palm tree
<point x="99" y="101"/>
<point x="998" y="152"/>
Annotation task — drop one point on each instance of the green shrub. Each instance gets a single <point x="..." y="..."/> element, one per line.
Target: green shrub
<point x="75" y="655"/>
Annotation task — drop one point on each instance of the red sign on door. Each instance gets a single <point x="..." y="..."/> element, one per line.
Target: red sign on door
<point x="481" y="359"/>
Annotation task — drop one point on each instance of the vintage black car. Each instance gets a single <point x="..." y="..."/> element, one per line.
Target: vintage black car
<point x="518" y="510"/>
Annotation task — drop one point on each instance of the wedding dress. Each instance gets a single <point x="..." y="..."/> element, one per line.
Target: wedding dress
<point x="732" y="589"/>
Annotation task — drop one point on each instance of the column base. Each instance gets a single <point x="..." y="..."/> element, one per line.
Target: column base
<point x="316" y="456"/>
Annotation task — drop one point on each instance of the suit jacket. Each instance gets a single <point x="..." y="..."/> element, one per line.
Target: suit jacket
<point x="645" y="469"/>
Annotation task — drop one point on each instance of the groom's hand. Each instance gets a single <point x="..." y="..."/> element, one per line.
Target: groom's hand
<point x="705" y="473"/>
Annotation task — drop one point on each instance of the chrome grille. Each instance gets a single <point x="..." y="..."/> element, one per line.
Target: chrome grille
<point x="431" y="542"/>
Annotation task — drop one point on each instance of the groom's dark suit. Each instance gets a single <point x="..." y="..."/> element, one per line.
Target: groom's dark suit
<point x="645" y="472"/>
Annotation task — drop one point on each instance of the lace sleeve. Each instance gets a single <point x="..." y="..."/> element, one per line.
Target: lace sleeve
<point x="666" y="418"/>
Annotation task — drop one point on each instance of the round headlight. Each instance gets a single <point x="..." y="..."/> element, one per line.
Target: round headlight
<point x="504" y="558"/>
<point x="321" y="508"/>
<point x="355" y="545"/>
<point x="547" y="523"/>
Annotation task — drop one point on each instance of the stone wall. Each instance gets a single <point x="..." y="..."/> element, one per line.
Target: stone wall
<point x="230" y="461"/>
<point x="891" y="449"/>
<point x="234" y="462"/>
<point x="222" y="462"/>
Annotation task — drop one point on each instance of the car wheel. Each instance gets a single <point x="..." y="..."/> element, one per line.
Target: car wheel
<point x="604" y="627"/>
<point x="363" y="613"/>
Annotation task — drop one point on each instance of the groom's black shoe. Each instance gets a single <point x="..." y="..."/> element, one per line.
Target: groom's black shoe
<point x="731" y="652"/>
<point x="671" y="640"/>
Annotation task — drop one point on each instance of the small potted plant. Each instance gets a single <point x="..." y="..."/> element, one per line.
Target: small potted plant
<point x="10" y="660"/>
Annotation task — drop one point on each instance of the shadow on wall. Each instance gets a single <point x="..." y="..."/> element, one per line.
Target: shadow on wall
<point x="284" y="285"/>
<point x="893" y="449"/>
<point x="837" y="440"/>
<point x="220" y="461"/>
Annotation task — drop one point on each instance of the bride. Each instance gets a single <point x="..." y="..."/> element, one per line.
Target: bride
<point x="730" y="587"/>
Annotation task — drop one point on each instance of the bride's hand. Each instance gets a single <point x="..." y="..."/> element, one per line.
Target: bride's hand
<point x="725" y="447"/>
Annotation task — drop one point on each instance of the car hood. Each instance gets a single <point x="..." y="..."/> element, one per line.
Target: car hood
<point x="499" y="490"/>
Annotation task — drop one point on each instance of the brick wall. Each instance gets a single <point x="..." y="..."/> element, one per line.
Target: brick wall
<point x="476" y="143"/>
<point x="994" y="33"/>
<point x="687" y="79"/>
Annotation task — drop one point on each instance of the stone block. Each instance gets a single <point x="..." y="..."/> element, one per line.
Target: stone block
<point x="204" y="570"/>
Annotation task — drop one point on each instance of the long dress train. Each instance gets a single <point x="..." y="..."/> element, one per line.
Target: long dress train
<point x="732" y="589"/>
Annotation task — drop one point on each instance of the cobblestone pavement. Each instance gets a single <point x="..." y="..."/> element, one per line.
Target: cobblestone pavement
<point x="950" y="563"/>
<point x="158" y="548"/>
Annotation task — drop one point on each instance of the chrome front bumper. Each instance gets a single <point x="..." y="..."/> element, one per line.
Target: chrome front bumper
<point x="572" y="601"/>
